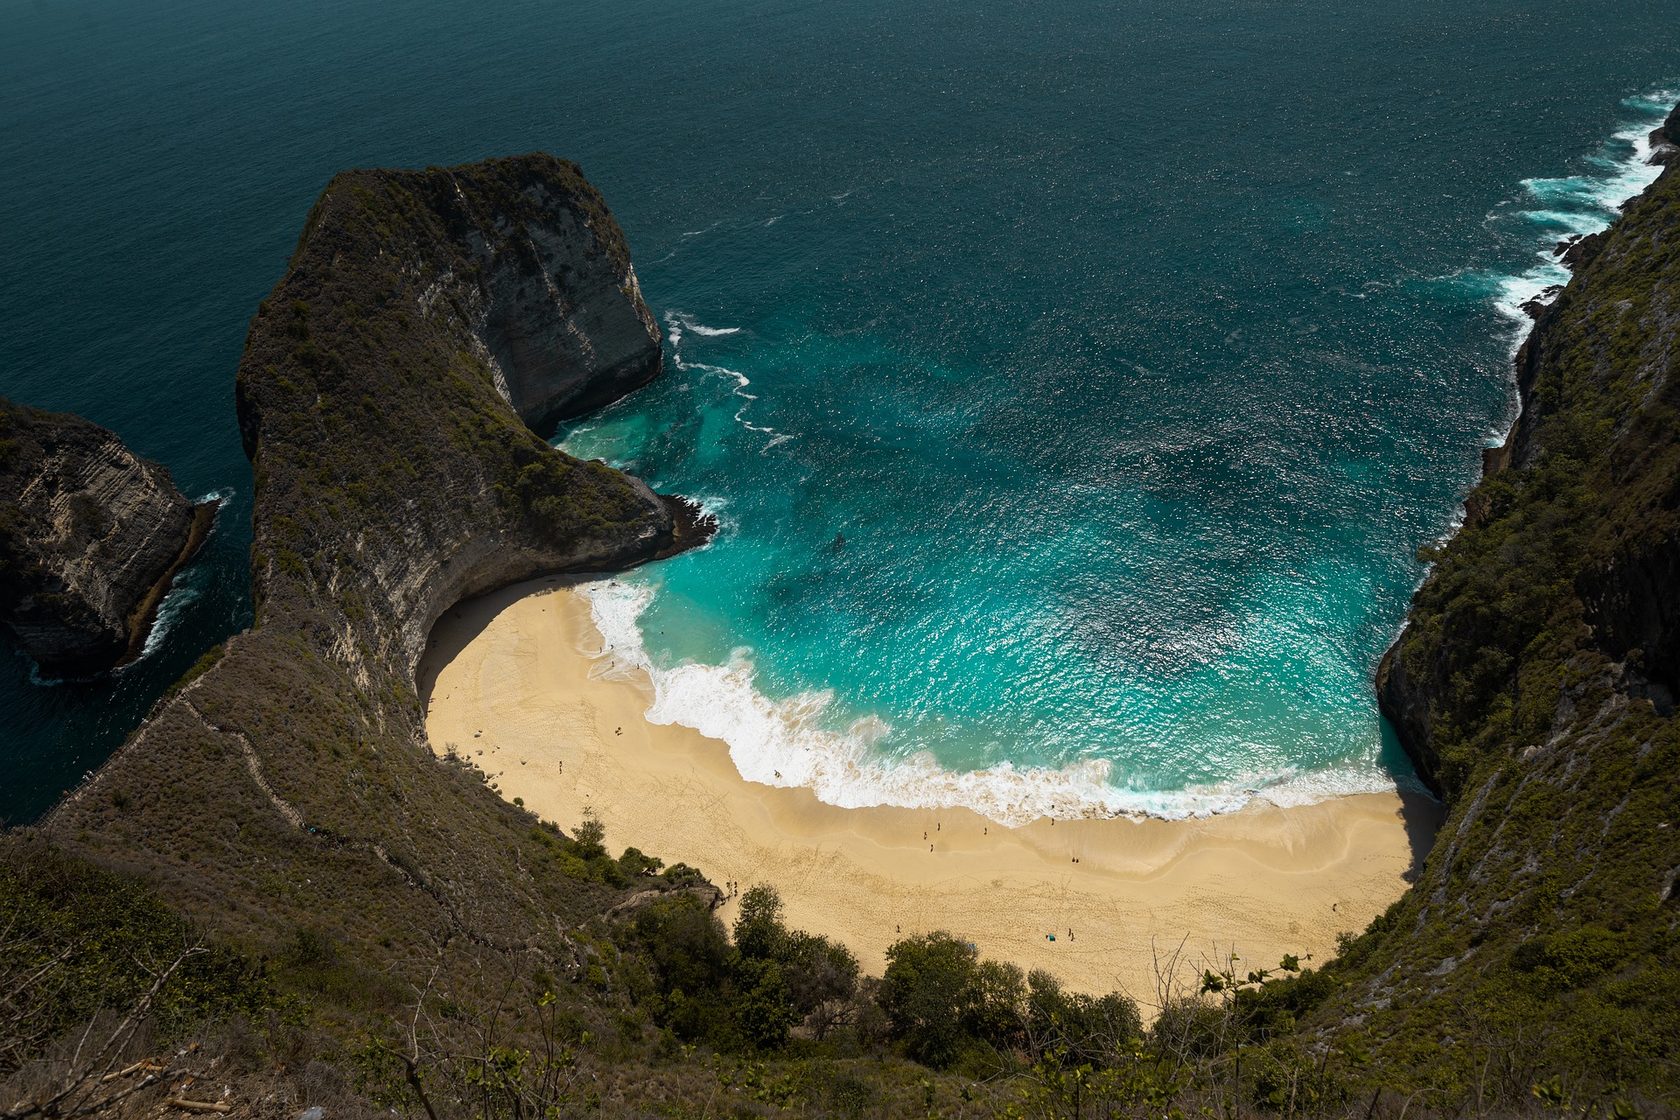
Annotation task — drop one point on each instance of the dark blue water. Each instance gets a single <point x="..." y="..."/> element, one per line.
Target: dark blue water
<point x="1132" y="349"/>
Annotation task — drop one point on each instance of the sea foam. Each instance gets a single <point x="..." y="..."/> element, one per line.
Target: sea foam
<point x="677" y="324"/>
<point x="1577" y="205"/>
<point x="188" y="587"/>
<point x="789" y="743"/>
<point x="1573" y="206"/>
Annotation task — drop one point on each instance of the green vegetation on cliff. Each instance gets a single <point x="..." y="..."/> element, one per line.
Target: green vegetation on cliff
<point x="1535" y="686"/>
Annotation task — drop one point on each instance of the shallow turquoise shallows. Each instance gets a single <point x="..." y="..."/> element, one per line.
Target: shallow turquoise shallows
<point x="1075" y="382"/>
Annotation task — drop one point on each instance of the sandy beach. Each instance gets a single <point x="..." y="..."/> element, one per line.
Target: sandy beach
<point x="511" y="682"/>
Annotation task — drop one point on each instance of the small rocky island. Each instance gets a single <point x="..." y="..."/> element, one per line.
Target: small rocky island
<point x="91" y="536"/>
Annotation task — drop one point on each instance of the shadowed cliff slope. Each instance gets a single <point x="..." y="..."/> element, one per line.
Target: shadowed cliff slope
<point x="1534" y="687"/>
<point x="288" y="784"/>
<point x="90" y="537"/>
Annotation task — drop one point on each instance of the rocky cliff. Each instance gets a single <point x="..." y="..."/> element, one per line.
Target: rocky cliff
<point x="386" y="396"/>
<point x="1665" y="139"/>
<point x="90" y="537"/>
<point x="1533" y="687"/>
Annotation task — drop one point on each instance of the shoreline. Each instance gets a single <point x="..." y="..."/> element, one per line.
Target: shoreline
<point x="144" y="618"/>
<point x="509" y="682"/>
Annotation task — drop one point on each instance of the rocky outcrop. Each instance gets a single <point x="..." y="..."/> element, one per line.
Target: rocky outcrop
<point x="1665" y="139"/>
<point x="386" y="397"/>
<point x="90" y="537"/>
<point x="554" y="300"/>
<point x="505" y="298"/>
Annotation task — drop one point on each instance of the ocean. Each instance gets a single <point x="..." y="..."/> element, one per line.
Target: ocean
<point x="1074" y="383"/>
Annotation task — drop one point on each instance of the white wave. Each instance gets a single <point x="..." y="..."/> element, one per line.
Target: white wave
<point x="687" y="323"/>
<point x="1580" y="205"/>
<point x="1524" y="287"/>
<point x="186" y="589"/>
<point x="786" y="743"/>
<point x="181" y="596"/>
<point x="677" y="325"/>
<point x="1569" y="221"/>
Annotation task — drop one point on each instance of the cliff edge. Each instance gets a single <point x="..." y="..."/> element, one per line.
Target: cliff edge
<point x="1534" y="689"/>
<point x="387" y="396"/>
<point x="90" y="537"/>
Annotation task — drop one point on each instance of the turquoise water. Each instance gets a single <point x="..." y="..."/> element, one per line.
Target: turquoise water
<point x="1132" y="350"/>
<point x="1071" y="505"/>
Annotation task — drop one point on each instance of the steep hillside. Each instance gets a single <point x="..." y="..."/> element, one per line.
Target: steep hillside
<point x="286" y="788"/>
<point x="1534" y="687"/>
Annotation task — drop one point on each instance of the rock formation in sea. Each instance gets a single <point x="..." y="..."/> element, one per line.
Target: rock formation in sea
<point x="90" y="537"/>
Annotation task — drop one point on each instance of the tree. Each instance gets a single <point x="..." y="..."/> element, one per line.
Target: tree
<point x="927" y="993"/>
<point x="759" y="932"/>
<point x="590" y="836"/>
<point x="822" y="977"/>
<point x="764" y="1011"/>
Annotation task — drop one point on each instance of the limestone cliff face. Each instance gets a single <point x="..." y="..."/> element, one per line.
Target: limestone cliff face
<point x="555" y="302"/>
<point x="391" y="382"/>
<point x="386" y="397"/>
<point x="90" y="535"/>
<point x="525" y="260"/>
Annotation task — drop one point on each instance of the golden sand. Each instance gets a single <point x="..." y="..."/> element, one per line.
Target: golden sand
<point x="511" y="682"/>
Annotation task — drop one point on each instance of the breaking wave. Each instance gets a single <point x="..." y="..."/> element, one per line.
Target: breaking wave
<point x="788" y="743"/>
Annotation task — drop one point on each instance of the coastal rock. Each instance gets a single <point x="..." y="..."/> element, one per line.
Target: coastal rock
<point x="544" y="279"/>
<point x="90" y="537"/>
<point x="1578" y="250"/>
<point x="1533" y="307"/>
<point x="444" y="317"/>
<point x="1665" y="139"/>
<point x="565" y="321"/>
<point x="387" y="395"/>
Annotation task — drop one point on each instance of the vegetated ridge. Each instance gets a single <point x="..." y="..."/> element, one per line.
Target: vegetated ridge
<point x="285" y="788"/>
<point x="1534" y="688"/>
